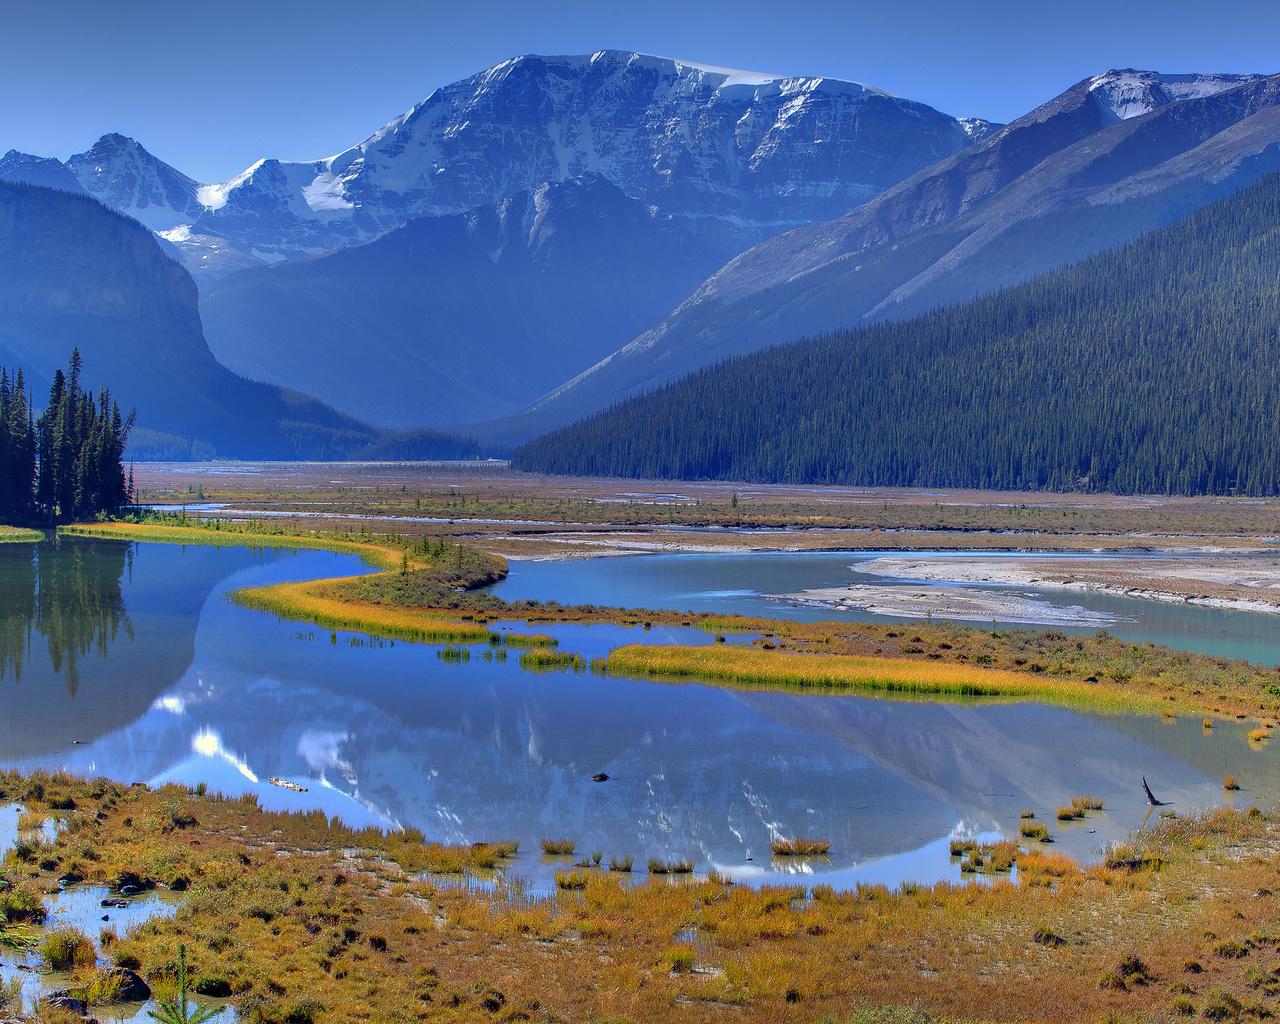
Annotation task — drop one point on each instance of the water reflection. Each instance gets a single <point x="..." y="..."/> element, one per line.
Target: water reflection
<point x="69" y="593"/>
<point x="200" y="690"/>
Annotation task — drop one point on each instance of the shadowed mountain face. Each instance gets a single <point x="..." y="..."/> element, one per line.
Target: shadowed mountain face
<point x="74" y="274"/>
<point x="479" y="313"/>
<point x="1112" y="157"/>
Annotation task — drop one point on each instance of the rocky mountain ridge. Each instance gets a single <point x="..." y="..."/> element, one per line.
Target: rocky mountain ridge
<point x="742" y="156"/>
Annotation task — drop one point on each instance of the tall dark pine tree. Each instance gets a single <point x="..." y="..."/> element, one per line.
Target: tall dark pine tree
<point x="81" y="448"/>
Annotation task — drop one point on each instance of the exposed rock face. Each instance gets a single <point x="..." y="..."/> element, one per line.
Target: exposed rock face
<point x="479" y="313"/>
<point x="1114" y="156"/>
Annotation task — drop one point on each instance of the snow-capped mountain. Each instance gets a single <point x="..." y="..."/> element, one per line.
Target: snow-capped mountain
<point x="743" y="156"/>
<point x="1110" y="158"/>
<point x="122" y="175"/>
<point x="1130" y="93"/>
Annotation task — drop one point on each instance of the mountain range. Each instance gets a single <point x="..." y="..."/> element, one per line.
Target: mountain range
<point x="548" y="237"/>
<point x="1113" y="157"/>
<point x="1149" y="369"/>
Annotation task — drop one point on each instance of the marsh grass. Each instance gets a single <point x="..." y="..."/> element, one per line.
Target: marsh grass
<point x="657" y="866"/>
<point x="558" y="847"/>
<point x="1230" y="783"/>
<point x="528" y="640"/>
<point x="622" y="864"/>
<point x="66" y="949"/>
<point x="1033" y="830"/>
<point x="550" y="661"/>
<point x="293" y="911"/>
<point x="738" y="666"/>
<point x="800" y="847"/>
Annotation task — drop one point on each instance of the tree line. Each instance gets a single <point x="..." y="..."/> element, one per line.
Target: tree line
<point x="69" y="462"/>
<point x="1151" y="368"/>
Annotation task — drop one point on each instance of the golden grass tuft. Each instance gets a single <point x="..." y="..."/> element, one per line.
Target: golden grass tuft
<point x="800" y="847"/>
<point x="1230" y="783"/>
<point x="558" y="847"/>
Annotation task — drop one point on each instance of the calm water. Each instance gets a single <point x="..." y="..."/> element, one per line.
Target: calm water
<point x="127" y="660"/>
<point x="743" y="582"/>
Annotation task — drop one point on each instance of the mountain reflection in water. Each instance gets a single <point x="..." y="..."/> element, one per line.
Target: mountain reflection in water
<point x="178" y="684"/>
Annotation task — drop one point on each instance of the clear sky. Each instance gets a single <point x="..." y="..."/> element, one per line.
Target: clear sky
<point x="212" y="87"/>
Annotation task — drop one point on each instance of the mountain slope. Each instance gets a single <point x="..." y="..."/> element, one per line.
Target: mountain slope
<point x="1069" y="179"/>
<point x="743" y="155"/>
<point x="75" y="274"/>
<point x="1152" y="368"/>
<point x="545" y="281"/>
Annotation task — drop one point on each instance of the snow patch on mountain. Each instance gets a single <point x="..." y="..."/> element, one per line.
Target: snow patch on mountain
<point x="1130" y="93"/>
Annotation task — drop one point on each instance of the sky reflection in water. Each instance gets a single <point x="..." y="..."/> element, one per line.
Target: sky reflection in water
<point x="198" y="690"/>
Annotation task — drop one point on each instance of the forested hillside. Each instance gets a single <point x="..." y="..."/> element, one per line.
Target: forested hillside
<point x="1154" y="367"/>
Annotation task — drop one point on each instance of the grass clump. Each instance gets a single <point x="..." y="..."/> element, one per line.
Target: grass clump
<point x="549" y="661"/>
<point x="66" y="949"/>
<point x="571" y="879"/>
<point x="657" y="866"/>
<point x="679" y="959"/>
<point x="1033" y="830"/>
<point x="1230" y="783"/>
<point x="622" y="864"/>
<point x="800" y="847"/>
<point x="558" y="847"/>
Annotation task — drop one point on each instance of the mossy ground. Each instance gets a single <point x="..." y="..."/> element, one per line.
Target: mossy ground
<point x="299" y="919"/>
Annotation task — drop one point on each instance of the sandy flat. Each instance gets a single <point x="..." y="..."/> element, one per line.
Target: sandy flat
<point x="1249" y="583"/>
<point x="963" y="604"/>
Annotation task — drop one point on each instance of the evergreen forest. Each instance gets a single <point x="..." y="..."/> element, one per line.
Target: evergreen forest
<point x="67" y="464"/>
<point x="1150" y="368"/>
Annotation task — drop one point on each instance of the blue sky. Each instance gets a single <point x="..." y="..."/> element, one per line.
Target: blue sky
<point x="212" y="87"/>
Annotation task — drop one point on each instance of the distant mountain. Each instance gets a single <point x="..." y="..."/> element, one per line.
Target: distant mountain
<point x="741" y="155"/>
<point x="23" y="168"/>
<point x="1114" y="156"/>
<point x="75" y="274"/>
<point x="477" y="313"/>
<point x="1153" y="368"/>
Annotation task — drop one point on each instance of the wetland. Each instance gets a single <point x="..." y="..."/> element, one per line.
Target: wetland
<point x="135" y="661"/>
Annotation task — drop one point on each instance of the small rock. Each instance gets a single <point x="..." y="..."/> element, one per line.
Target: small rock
<point x="129" y="890"/>
<point x="63" y="1000"/>
<point x="110" y="902"/>
<point x="106" y="917"/>
<point x="599" y="777"/>
<point x="70" y="878"/>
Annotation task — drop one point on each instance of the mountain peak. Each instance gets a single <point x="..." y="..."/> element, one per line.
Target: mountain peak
<point x="1129" y="92"/>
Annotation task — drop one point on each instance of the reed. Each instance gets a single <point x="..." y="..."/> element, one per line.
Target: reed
<point x="571" y="879"/>
<point x="66" y="949"/>
<point x="528" y="640"/>
<point x="657" y="866"/>
<point x="800" y="847"/>
<point x="549" y="661"/>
